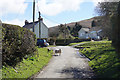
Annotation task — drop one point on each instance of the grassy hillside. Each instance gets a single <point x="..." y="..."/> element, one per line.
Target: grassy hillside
<point x="29" y="66"/>
<point x="103" y="58"/>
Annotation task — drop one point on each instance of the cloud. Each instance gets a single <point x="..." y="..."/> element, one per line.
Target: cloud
<point x="12" y="6"/>
<point x="15" y="22"/>
<point x="54" y="7"/>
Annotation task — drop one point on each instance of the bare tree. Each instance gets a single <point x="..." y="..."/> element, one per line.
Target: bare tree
<point x="110" y="12"/>
<point x="63" y="30"/>
<point x="106" y="10"/>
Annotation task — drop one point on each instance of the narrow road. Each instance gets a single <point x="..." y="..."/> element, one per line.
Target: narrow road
<point x="69" y="65"/>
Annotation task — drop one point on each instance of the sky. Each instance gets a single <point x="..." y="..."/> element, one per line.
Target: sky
<point x="53" y="12"/>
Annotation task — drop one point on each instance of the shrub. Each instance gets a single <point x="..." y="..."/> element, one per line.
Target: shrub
<point x="76" y="40"/>
<point x="51" y="41"/>
<point x="63" y="41"/>
<point x="17" y="42"/>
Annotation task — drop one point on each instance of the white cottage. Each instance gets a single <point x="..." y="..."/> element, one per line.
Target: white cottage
<point x="93" y="33"/>
<point x="83" y="33"/>
<point x="41" y="32"/>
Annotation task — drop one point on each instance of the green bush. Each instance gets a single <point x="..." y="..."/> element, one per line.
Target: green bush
<point x="51" y="41"/>
<point x="63" y="41"/>
<point x="77" y="38"/>
<point x="17" y="42"/>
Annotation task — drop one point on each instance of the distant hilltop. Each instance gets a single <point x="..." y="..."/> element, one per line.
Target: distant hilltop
<point x="88" y="23"/>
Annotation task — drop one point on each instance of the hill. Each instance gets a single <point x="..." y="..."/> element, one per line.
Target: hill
<point x="88" y="23"/>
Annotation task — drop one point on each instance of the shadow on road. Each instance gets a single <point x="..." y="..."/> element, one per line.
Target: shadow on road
<point x="78" y="73"/>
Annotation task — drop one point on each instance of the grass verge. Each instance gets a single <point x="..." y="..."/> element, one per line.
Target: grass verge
<point x="71" y="44"/>
<point x="29" y="66"/>
<point x="51" y="46"/>
<point x="103" y="58"/>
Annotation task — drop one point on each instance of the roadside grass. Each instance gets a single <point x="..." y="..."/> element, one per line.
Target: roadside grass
<point x="51" y="46"/>
<point x="71" y="44"/>
<point x="28" y="67"/>
<point x="103" y="59"/>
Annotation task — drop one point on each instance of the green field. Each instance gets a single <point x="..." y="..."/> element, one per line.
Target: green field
<point x="103" y="59"/>
<point x="28" y="67"/>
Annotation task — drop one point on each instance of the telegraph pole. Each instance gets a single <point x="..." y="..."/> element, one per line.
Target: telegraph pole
<point x="33" y="15"/>
<point x="39" y="24"/>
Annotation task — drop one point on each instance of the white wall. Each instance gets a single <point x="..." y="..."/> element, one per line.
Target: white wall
<point x="82" y="34"/>
<point x="37" y="30"/>
<point x="93" y="34"/>
<point x="44" y="30"/>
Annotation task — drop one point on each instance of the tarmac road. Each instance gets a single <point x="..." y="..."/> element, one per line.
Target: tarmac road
<point x="70" y="64"/>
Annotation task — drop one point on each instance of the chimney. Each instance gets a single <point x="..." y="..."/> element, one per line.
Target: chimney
<point x="26" y="22"/>
<point x="40" y="19"/>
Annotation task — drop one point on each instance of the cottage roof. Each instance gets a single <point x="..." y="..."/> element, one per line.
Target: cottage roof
<point x="30" y="25"/>
<point x="86" y="29"/>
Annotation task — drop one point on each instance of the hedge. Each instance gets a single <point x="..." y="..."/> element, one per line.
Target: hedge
<point x="17" y="43"/>
<point x="63" y="41"/>
<point x="51" y="41"/>
<point x="66" y="41"/>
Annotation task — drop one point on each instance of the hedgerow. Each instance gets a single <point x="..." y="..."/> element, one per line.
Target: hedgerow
<point x="17" y="43"/>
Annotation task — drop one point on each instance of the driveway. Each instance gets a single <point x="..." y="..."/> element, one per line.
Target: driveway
<point x="69" y="65"/>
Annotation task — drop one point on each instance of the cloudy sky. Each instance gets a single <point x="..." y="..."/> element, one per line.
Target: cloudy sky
<point x="54" y="12"/>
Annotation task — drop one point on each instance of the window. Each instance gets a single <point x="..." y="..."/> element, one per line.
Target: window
<point x="81" y="34"/>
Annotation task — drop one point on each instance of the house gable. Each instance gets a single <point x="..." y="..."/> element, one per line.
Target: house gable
<point x="39" y="34"/>
<point x="83" y="33"/>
